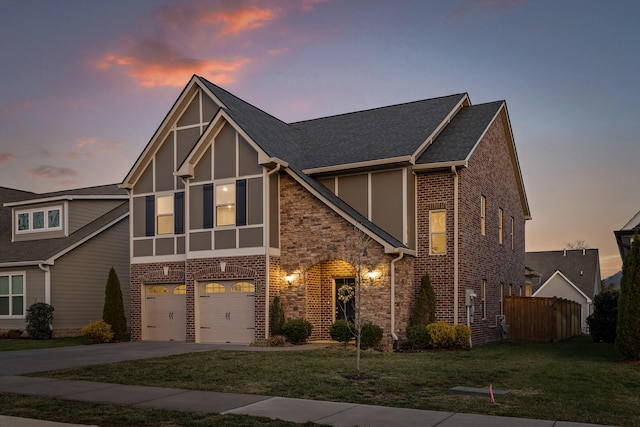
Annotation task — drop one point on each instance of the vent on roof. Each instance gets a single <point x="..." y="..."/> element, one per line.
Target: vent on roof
<point x="564" y="252"/>
<point x="581" y="273"/>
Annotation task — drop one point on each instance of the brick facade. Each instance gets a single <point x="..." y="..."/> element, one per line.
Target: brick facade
<point x="490" y="174"/>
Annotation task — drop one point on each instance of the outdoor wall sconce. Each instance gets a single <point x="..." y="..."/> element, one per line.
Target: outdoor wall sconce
<point x="289" y="279"/>
<point x="373" y="275"/>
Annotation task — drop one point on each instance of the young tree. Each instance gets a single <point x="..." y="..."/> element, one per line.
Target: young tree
<point x="357" y="255"/>
<point x="113" y="311"/>
<point x="424" y="312"/>
<point x="628" y="328"/>
<point x="602" y="323"/>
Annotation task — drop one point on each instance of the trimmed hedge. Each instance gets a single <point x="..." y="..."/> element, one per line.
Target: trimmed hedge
<point x="297" y="330"/>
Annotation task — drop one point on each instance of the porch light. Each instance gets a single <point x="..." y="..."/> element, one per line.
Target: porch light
<point x="373" y="275"/>
<point x="289" y="279"/>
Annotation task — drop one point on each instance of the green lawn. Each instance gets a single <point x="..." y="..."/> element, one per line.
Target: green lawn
<point x="29" y="344"/>
<point x="572" y="381"/>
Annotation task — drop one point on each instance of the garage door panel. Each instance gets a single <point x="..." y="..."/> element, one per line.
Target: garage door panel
<point x="165" y="313"/>
<point x="227" y="312"/>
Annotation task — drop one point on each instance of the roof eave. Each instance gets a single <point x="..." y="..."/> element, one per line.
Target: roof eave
<point x="358" y="165"/>
<point x="65" y="198"/>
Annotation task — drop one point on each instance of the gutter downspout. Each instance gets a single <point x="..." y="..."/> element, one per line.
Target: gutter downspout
<point x="47" y="282"/>
<point x="455" y="245"/>
<point x="266" y="270"/>
<point x="393" y="300"/>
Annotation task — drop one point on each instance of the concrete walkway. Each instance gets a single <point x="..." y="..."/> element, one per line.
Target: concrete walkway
<point x="14" y="364"/>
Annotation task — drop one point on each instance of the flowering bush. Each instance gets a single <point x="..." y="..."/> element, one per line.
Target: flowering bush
<point x="98" y="332"/>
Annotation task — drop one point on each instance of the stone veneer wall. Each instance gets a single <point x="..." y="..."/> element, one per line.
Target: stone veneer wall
<point x="490" y="173"/>
<point x="313" y="242"/>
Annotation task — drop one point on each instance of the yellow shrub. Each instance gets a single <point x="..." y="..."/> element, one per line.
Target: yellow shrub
<point x="441" y="334"/>
<point x="98" y="332"/>
<point x="463" y="333"/>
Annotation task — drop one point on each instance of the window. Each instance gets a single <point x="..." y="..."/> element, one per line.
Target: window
<point x="437" y="231"/>
<point x="483" y="215"/>
<point x="512" y="234"/>
<point x="243" y="287"/>
<point x="12" y="298"/>
<point x="483" y="299"/>
<point x="164" y="214"/>
<point x="180" y="290"/>
<point x="510" y="289"/>
<point x="500" y="226"/>
<point x="45" y="219"/>
<point x="501" y="298"/>
<point x="225" y="199"/>
<point x="214" y="288"/>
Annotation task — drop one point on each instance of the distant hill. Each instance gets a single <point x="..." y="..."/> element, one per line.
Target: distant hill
<point x="615" y="279"/>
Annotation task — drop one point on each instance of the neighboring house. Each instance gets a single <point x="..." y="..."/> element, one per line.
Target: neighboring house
<point x="57" y="248"/>
<point x="568" y="274"/>
<point x="624" y="236"/>
<point x="231" y="207"/>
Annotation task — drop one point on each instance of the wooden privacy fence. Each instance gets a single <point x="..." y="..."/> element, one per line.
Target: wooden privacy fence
<point x="541" y="319"/>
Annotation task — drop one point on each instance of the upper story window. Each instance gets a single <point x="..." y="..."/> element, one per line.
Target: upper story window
<point x="437" y="231"/>
<point x="513" y="245"/>
<point x="39" y="219"/>
<point x="225" y="199"/>
<point x="483" y="300"/>
<point x="483" y="215"/>
<point x="164" y="214"/>
<point x="12" y="298"/>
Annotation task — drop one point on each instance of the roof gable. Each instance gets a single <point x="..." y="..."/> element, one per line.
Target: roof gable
<point x="581" y="267"/>
<point x="565" y="279"/>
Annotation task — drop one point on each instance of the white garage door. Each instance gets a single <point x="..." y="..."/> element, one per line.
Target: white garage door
<point x="227" y="311"/>
<point x="165" y="313"/>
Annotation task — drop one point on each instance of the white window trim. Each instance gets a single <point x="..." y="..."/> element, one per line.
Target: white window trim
<point x="24" y="295"/>
<point x="483" y="215"/>
<point x="216" y="204"/>
<point x="501" y="226"/>
<point x="483" y="299"/>
<point x="46" y="227"/>
<point x="431" y="232"/>
<point x="158" y="215"/>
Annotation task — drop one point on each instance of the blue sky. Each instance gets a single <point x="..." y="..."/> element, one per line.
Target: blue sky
<point x="85" y="84"/>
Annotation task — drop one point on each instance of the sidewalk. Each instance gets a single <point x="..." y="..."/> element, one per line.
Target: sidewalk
<point x="13" y="364"/>
<point x="296" y="410"/>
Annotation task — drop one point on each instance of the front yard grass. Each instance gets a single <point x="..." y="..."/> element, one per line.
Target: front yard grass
<point x="30" y="344"/>
<point x="575" y="380"/>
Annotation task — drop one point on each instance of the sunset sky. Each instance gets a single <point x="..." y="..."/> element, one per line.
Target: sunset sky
<point x="84" y="85"/>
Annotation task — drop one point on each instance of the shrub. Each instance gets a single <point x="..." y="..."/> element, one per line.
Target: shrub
<point x="462" y="335"/>
<point x="13" y="334"/>
<point x="98" y="331"/>
<point x="39" y="321"/>
<point x="113" y="311"/>
<point x="602" y="322"/>
<point x="424" y="311"/>
<point x="627" y="330"/>
<point x="275" y="341"/>
<point x="276" y="317"/>
<point x="418" y="337"/>
<point x="441" y="335"/>
<point x="370" y="335"/>
<point x="296" y="331"/>
<point x="342" y="331"/>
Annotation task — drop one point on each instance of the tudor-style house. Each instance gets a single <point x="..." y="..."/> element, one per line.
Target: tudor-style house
<point x="231" y="207"/>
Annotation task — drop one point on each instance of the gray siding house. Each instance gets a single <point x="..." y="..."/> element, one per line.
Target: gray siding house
<point x="58" y="248"/>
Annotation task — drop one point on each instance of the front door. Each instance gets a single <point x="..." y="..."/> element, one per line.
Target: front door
<point x="345" y="298"/>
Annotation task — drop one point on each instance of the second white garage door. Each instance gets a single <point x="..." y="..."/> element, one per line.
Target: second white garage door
<point x="227" y="311"/>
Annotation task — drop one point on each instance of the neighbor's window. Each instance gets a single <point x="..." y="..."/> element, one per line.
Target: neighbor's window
<point x="483" y="215"/>
<point x="45" y="219"/>
<point x="12" y="298"/>
<point x="501" y="297"/>
<point x="483" y="299"/>
<point x="164" y="214"/>
<point x="500" y="226"/>
<point x="225" y="199"/>
<point x="437" y="231"/>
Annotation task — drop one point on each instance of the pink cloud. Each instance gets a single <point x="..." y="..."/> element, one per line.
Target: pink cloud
<point x="15" y="107"/>
<point x="495" y="7"/>
<point x="6" y="157"/>
<point x="309" y="5"/>
<point x="239" y="19"/>
<point x="52" y="172"/>
<point x="278" y="52"/>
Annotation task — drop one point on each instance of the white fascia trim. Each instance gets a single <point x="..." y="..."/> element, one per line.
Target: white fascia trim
<point x="145" y="157"/>
<point x="566" y="279"/>
<point x="63" y="198"/>
<point x="525" y="202"/>
<point x="23" y="264"/>
<point x="427" y="142"/>
<point x="441" y="165"/>
<point x="157" y="259"/>
<point x="633" y="222"/>
<point x="51" y="260"/>
<point x="359" y="165"/>
<point x="218" y="253"/>
<point x="387" y="248"/>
